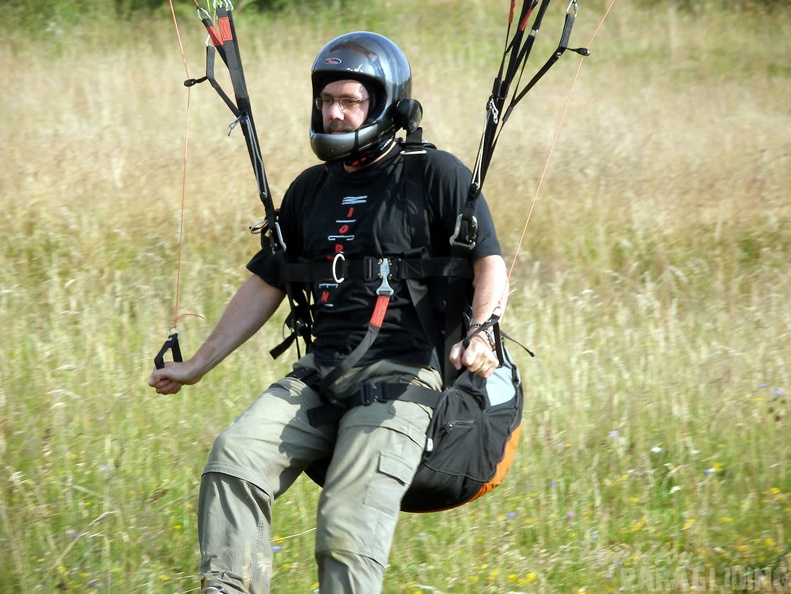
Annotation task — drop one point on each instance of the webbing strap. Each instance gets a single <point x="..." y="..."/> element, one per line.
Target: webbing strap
<point x="571" y="15"/>
<point x="493" y="323"/>
<point x="458" y="299"/>
<point x="224" y="42"/>
<point x="367" y="269"/>
<point x="377" y="318"/>
<point x="367" y="395"/>
<point x="299" y="321"/>
<point x="515" y="57"/>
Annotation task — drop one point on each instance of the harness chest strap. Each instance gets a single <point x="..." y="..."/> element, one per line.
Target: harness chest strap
<point x="368" y="268"/>
<point x="410" y="267"/>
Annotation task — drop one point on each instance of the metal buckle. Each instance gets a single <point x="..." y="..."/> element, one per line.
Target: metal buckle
<point x="262" y="227"/>
<point x="384" y="273"/>
<point x="473" y="232"/>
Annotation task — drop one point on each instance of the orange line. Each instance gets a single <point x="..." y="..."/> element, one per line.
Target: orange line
<point x="184" y="170"/>
<point x="554" y="142"/>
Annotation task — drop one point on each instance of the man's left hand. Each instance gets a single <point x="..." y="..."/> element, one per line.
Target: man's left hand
<point x="478" y="357"/>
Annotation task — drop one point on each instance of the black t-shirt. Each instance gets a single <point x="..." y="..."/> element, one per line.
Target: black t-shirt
<point x="367" y="213"/>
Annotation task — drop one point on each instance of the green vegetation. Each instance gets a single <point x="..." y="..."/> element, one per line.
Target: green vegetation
<point x="653" y="283"/>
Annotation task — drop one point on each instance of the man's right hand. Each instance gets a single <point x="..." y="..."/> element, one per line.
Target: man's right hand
<point x="251" y="306"/>
<point x="172" y="376"/>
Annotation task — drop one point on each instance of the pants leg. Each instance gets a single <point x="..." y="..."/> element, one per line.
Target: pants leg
<point x="377" y="452"/>
<point x="235" y="519"/>
<point x="251" y="463"/>
<point x="377" y="449"/>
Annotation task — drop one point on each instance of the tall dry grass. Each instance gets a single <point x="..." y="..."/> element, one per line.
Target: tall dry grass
<point x="652" y="282"/>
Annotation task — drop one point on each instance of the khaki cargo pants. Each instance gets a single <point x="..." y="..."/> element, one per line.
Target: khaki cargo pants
<point x="377" y="449"/>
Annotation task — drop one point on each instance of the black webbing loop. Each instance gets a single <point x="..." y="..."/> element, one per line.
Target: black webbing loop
<point x="211" y="51"/>
<point x="571" y="15"/>
<point x="170" y="344"/>
<point x="299" y="321"/>
<point x="493" y="323"/>
<point x="224" y="42"/>
<point x="512" y="66"/>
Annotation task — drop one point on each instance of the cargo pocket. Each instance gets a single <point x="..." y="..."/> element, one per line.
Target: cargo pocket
<point x="391" y="481"/>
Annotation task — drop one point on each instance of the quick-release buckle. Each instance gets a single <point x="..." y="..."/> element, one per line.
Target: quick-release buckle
<point x="370" y="393"/>
<point x="384" y="274"/>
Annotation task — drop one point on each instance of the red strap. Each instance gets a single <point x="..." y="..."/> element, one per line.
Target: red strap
<point x="225" y="29"/>
<point x="215" y="37"/>
<point x="380" y="310"/>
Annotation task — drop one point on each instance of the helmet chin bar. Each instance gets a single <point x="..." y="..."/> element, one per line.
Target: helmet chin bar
<point x="353" y="146"/>
<point x="370" y="154"/>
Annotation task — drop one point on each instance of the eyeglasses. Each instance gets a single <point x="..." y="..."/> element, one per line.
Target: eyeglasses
<point x="345" y="103"/>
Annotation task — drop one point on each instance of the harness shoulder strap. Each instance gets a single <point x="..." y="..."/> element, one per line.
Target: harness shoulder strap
<point x="414" y="170"/>
<point x="457" y="288"/>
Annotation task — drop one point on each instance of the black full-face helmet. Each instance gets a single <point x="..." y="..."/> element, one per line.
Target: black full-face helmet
<point x="382" y="68"/>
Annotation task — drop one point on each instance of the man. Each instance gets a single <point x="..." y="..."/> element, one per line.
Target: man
<point x="351" y="207"/>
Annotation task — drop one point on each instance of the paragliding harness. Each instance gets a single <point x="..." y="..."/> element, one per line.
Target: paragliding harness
<point x="476" y="423"/>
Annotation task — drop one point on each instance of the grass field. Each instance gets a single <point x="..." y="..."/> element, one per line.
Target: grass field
<point x="653" y="284"/>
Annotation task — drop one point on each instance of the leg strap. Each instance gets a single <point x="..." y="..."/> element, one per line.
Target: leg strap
<point x="369" y="393"/>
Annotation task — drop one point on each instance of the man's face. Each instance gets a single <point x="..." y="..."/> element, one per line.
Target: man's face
<point x="344" y="106"/>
